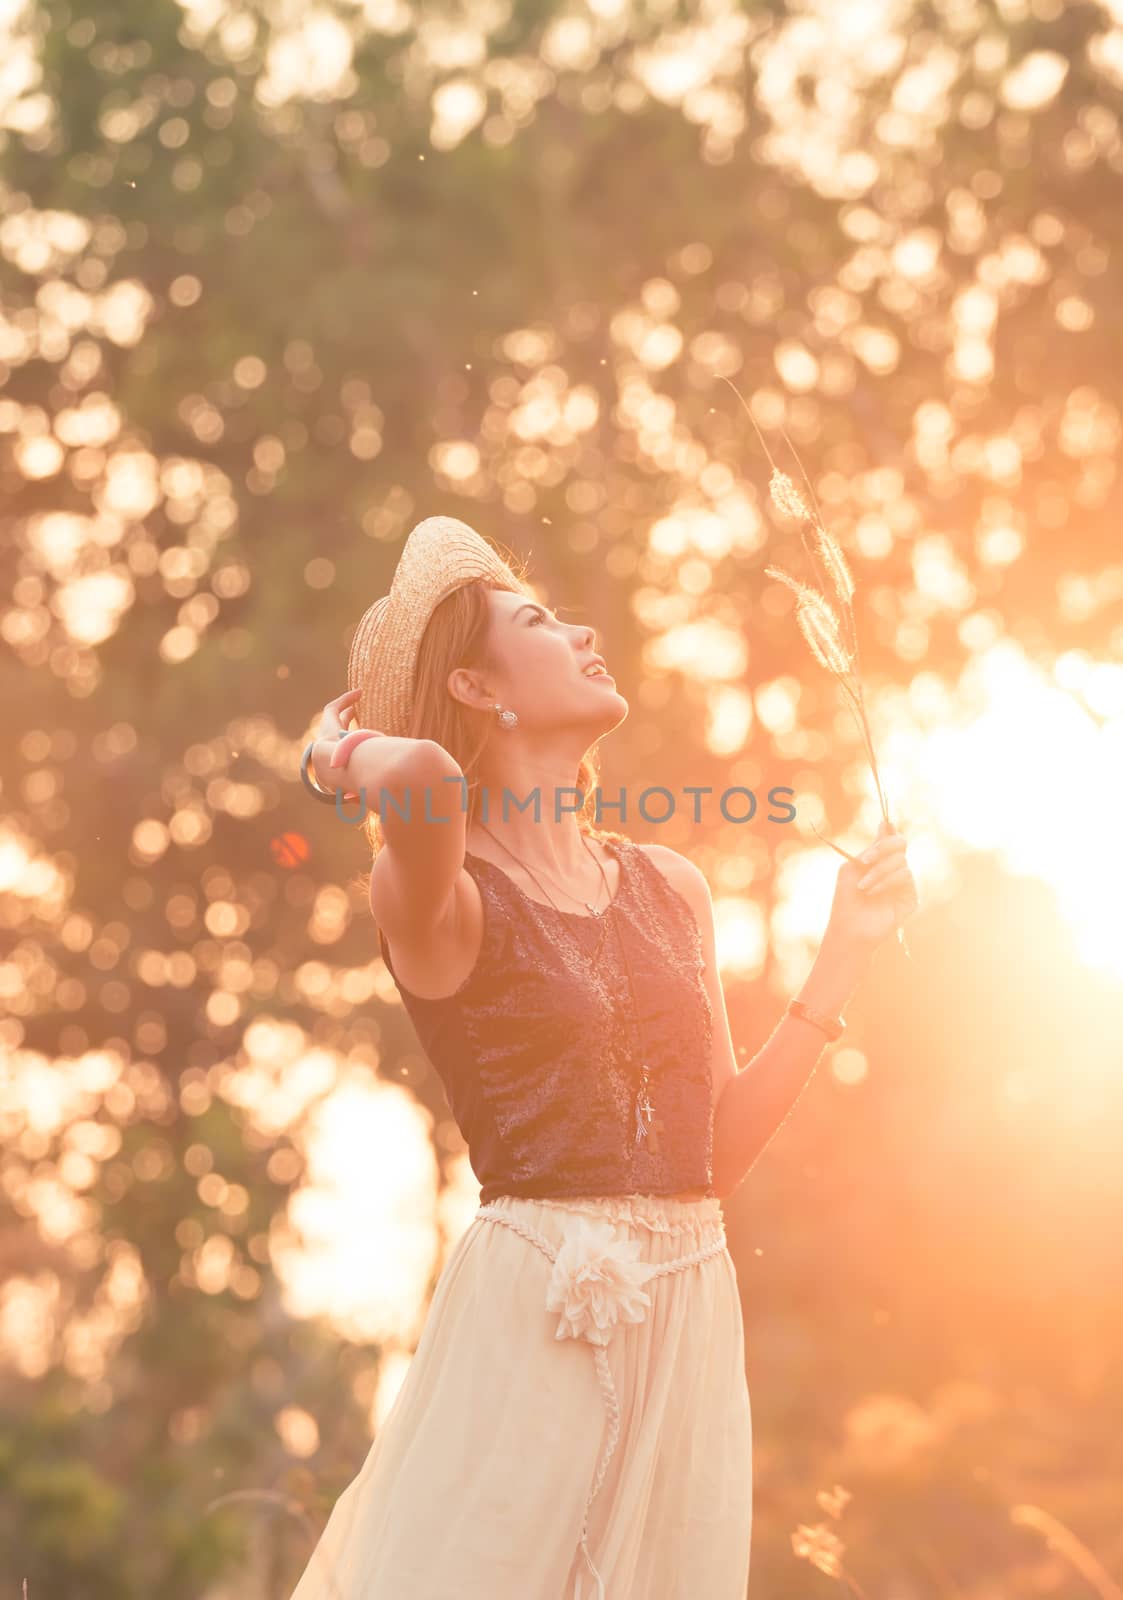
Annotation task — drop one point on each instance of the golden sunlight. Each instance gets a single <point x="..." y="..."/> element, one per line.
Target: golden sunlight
<point x="1030" y="767"/>
<point x="365" y="1237"/>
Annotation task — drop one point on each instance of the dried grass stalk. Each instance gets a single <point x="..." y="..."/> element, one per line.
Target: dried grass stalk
<point x="831" y="636"/>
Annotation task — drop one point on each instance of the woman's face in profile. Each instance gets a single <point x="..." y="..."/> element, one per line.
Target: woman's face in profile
<point x="544" y="667"/>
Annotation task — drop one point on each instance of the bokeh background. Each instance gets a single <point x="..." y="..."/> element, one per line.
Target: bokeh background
<point x="278" y="280"/>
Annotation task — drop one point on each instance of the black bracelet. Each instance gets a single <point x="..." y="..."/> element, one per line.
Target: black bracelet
<point x="833" y="1027"/>
<point x="328" y="797"/>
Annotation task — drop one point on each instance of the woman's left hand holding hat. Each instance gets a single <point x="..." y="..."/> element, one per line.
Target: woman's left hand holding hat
<point x="352" y="738"/>
<point x="346" y="739"/>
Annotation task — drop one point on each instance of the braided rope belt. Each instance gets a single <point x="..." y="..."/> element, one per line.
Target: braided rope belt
<point x="598" y="1281"/>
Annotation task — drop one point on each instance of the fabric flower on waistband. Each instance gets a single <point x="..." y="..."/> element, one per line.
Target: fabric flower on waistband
<point x="597" y="1281"/>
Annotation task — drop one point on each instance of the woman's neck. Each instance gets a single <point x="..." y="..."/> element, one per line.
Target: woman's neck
<point x="555" y="847"/>
<point x="527" y="809"/>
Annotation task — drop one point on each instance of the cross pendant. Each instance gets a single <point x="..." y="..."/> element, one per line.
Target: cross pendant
<point x="644" y="1108"/>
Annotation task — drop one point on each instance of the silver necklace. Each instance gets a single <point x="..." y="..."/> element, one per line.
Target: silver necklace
<point x="592" y="909"/>
<point x="597" y="915"/>
<point x="646" y="1128"/>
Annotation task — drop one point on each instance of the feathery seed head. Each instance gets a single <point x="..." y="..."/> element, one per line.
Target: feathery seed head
<point x="786" y="497"/>
<point x="820" y="627"/>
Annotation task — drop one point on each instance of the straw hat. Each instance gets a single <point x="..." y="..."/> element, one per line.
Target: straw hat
<point x="440" y="555"/>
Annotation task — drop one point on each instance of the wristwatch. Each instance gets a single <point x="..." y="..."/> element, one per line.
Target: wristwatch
<point x="833" y="1027"/>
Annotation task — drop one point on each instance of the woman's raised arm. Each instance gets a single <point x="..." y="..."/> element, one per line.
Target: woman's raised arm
<point x="416" y="789"/>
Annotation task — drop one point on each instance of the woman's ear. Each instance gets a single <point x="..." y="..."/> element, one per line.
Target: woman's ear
<point x="464" y="684"/>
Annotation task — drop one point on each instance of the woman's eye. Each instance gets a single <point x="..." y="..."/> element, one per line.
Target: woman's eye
<point x="536" y="616"/>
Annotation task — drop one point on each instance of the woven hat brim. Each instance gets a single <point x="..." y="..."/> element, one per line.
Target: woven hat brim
<point x="440" y="555"/>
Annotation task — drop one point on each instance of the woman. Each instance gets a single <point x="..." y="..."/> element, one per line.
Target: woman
<point x="575" y="1420"/>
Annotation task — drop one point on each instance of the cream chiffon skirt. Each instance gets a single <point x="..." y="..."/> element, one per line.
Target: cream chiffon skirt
<point x="574" y="1423"/>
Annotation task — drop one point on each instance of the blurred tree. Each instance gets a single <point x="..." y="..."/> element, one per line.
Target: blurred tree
<point x="270" y="293"/>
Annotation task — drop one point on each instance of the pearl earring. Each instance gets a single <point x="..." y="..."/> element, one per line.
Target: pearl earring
<point x="506" y="719"/>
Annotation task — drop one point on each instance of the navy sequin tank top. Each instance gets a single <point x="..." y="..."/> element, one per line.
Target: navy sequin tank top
<point x="537" y="1049"/>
